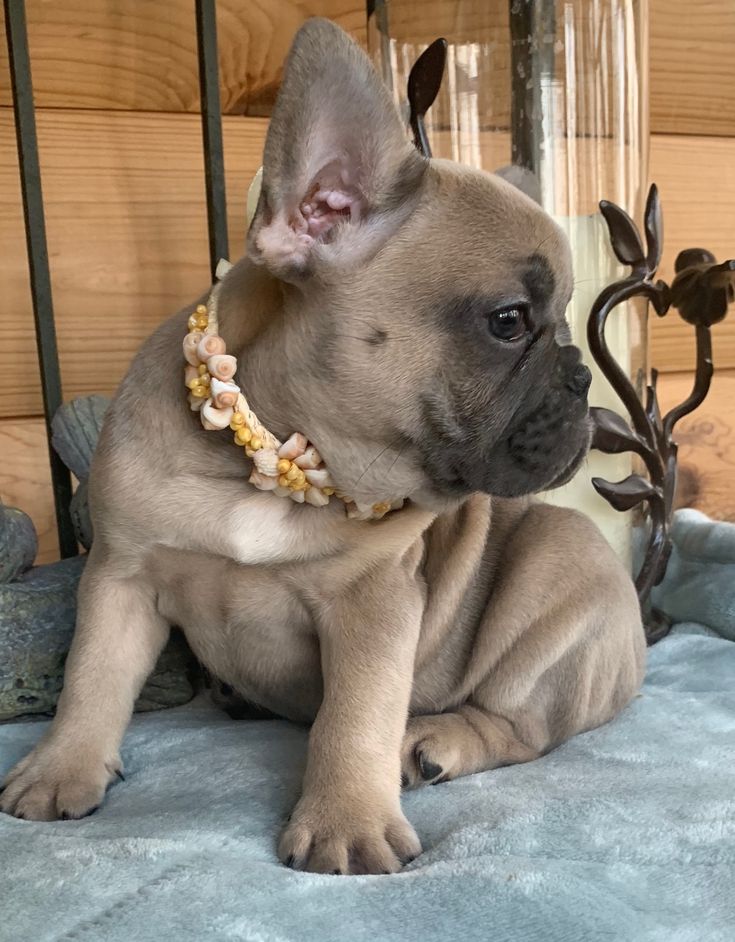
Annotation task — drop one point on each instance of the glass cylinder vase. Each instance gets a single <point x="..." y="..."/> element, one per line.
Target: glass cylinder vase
<point x="554" y="94"/>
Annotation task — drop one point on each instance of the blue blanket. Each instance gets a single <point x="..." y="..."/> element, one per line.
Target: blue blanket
<point x="625" y="833"/>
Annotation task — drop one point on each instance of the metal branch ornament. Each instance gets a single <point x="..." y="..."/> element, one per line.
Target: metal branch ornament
<point x="701" y="292"/>
<point x="424" y="82"/>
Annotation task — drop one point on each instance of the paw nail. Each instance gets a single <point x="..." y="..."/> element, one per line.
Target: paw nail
<point x="428" y="768"/>
<point x="120" y="775"/>
<point x="290" y="860"/>
<point x="404" y="780"/>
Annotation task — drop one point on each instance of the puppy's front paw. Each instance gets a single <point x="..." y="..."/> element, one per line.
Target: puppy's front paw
<point x="50" y="784"/>
<point x="369" y="837"/>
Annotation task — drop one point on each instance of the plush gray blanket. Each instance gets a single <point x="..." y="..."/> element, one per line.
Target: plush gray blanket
<point x="625" y="833"/>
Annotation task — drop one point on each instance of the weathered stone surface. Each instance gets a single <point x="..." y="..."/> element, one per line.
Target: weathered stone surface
<point x="36" y="624"/>
<point x="18" y="543"/>
<point x="75" y="429"/>
<point x="37" y="615"/>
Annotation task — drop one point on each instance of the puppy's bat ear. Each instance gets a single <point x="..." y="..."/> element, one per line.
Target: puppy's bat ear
<point x="339" y="173"/>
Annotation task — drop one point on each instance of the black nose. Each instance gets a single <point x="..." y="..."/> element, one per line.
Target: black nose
<point x="579" y="381"/>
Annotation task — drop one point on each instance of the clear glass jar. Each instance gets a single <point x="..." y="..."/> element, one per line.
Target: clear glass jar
<point x="558" y="88"/>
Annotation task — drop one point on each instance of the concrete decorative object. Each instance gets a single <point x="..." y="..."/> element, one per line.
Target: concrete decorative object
<point x="38" y="603"/>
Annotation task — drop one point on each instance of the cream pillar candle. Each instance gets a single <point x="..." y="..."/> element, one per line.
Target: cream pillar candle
<point x="594" y="267"/>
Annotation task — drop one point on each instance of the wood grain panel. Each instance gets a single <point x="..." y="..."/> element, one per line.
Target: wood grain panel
<point x="139" y="56"/>
<point x="127" y="236"/>
<point x="707" y="459"/>
<point x="696" y="179"/>
<point x="25" y="479"/>
<point x="126" y="223"/>
<point x="692" y="83"/>
<point x="706" y="445"/>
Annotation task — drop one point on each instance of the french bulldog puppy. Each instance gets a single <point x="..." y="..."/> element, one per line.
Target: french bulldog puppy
<point x="406" y="315"/>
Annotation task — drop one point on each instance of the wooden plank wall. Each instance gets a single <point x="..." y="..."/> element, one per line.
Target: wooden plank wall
<point x="116" y="91"/>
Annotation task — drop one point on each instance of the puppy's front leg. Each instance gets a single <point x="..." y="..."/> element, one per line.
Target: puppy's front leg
<point x="349" y="818"/>
<point x="118" y="637"/>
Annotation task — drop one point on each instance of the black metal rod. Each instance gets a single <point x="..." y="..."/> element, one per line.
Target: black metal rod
<point x="43" y="311"/>
<point x="531" y="66"/>
<point x="214" y="165"/>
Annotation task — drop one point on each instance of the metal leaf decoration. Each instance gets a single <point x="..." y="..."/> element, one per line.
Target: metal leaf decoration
<point x="654" y="226"/>
<point x="424" y="82"/>
<point x="626" y="494"/>
<point x="624" y="236"/>
<point x="612" y="434"/>
<point x="701" y="291"/>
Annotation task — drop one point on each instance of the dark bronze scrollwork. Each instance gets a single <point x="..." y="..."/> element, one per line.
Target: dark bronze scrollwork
<point x="701" y="292"/>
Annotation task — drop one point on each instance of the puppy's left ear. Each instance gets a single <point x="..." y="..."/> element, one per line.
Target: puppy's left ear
<point x="339" y="174"/>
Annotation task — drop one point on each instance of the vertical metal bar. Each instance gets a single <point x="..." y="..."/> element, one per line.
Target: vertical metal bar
<point x="43" y="311"/>
<point x="214" y="166"/>
<point x="532" y="67"/>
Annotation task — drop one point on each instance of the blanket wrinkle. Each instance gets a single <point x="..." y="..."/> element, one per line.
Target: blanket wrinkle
<point x="624" y="834"/>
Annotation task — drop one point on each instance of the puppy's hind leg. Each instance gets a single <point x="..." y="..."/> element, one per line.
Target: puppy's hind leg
<point x="444" y="746"/>
<point x="118" y="637"/>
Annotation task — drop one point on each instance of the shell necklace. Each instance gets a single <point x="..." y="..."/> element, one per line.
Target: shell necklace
<point x="293" y="468"/>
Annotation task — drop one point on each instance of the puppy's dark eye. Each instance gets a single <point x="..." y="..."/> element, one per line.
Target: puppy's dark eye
<point x="508" y="323"/>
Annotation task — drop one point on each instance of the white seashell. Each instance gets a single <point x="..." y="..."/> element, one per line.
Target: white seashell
<point x="224" y="393"/>
<point x="310" y="459"/>
<point x="209" y="346"/>
<point x="191" y="342"/>
<point x="298" y="496"/>
<point x="293" y="446"/>
<point x="315" y="497"/>
<point x="217" y="418"/>
<point x="195" y="402"/>
<point x="223" y="266"/>
<point x="266" y="461"/>
<point x="263" y="482"/>
<point x="319" y="477"/>
<point x="222" y="365"/>
<point x="282" y="491"/>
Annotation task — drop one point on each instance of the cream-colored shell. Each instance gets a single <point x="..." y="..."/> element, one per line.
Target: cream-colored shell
<point x="266" y="461"/>
<point x="217" y="418"/>
<point x="315" y="497"/>
<point x="310" y="460"/>
<point x="191" y="342"/>
<point x="293" y="447"/>
<point x="222" y="365"/>
<point x="263" y="482"/>
<point x="210" y="345"/>
<point x="224" y="393"/>
<point x="319" y="477"/>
